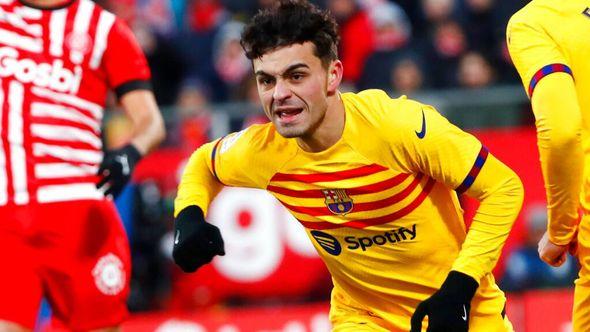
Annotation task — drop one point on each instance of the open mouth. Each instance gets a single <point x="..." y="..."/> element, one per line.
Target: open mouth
<point x="288" y="114"/>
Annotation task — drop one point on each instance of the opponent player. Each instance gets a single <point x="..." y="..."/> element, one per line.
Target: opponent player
<point x="549" y="47"/>
<point x="374" y="181"/>
<point x="59" y="236"/>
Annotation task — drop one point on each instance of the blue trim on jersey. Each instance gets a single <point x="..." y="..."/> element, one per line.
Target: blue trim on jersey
<point x="477" y="165"/>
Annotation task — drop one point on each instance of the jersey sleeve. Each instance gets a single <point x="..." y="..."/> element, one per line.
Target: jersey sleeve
<point x="433" y="146"/>
<point x="237" y="160"/>
<point x="198" y="185"/>
<point x="534" y="54"/>
<point x="124" y="62"/>
<point x="549" y="81"/>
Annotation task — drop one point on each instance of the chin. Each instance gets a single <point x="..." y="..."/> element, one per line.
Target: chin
<point x="290" y="132"/>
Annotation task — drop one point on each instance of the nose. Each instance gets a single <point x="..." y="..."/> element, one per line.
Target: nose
<point x="281" y="91"/>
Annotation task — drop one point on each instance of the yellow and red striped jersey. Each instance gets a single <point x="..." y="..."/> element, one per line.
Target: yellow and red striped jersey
<point x="380" y="205"/>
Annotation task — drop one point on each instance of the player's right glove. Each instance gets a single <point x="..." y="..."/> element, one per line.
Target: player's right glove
<point x="448" y="308"/>
<point x="196" y="241"/>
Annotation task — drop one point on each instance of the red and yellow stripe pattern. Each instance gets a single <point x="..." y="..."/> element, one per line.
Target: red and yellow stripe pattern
<point x="378" y="196"/>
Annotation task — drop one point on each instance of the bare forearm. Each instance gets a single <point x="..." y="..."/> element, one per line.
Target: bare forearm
<point x="148" y="125"/>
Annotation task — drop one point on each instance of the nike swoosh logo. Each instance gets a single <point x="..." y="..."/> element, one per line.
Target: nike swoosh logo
<point x="422" y="132"/>
<point x="464" y="313"/>
<point x="177" y="238"/>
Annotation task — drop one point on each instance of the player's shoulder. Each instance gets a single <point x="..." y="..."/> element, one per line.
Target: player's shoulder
<point x="251" y="156"/>
<point x="382" y="111"/>
<point x="255" y="140"/>
<point x="534" y="11"/>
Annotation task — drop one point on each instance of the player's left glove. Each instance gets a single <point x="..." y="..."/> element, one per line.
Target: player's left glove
<point x="448" y="308"/>
<point x="196" y="242"/>
<point x="116" y="168"/>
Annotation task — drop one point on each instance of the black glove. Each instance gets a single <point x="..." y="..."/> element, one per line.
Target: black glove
<point x="196" y="241"/>
<point x="116" y="168"/>
<point x="448" y="308"/>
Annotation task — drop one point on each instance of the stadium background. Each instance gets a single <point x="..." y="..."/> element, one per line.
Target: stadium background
<point x="448" y="53"/>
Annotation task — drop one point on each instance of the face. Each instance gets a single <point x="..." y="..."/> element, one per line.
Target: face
<point x="294" y="88"/>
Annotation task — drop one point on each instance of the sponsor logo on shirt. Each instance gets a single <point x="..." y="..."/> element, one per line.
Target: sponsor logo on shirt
<point x="45" y="75"/>
<point x="328" y="242"/>
<point x="334" y="248"/>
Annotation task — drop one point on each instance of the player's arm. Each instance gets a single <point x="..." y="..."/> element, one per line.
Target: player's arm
<point x="500" y="193"/>
<point x="196" y="241"/>
<point x="127" y="73"/>
<point x="457" y="159"/>
<point x="227" y="161"/>
<point x="548" y="81"/>
<point x="148" y="125"/>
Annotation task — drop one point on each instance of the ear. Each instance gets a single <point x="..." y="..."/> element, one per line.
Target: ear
<point x="334" y="76"/>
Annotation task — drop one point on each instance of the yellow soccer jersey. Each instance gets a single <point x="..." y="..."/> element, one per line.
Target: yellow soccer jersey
<point x="379" y="205"/>
<point x="549" y="46"/>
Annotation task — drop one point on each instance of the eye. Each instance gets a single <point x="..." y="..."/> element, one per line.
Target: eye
<point x="265" y="81"/>
<point x="297" y="76"/>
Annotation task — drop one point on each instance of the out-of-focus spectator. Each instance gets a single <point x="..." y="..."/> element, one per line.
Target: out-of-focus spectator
<point x="356" y="36"/>
<point x="391" y="26"/>
<point x="195" y="44"/>
<point x="392" y="33"/>
<point x="447" y="45"/>
<point x="248" y="92"/>
<point x="192" y="98"/>
<point x="165" y="62"/>
<point x="438" y="11"/>
<point x="160" y="16"/>
<point x="414" y="11"/>
<point x="231" y="64"/>
<point x="193" y="117"/>
<point x="205" y="15"/>
<point x="524" y="268"/>
<point x="475" y="71"/>
<point x="406" y="77"/>
<point x="479" y="25"/>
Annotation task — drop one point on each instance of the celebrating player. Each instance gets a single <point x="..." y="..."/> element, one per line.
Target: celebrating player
<point x="374" y="180"/>
<point x="550" y="50"/>
<point x="59" y="236"/>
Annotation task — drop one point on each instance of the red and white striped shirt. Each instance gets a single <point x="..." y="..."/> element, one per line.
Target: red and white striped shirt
<point x="56" y="66"/>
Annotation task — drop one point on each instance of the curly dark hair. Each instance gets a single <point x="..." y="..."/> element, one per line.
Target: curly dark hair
<point x="292" y="22"/>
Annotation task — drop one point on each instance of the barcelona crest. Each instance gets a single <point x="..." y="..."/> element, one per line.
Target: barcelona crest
<point x="338" y="201"/>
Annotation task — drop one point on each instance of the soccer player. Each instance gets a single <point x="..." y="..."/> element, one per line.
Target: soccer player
<point x="548" y="44"/>
<point x="60" y="237"/>
<point x="374" y="180"/>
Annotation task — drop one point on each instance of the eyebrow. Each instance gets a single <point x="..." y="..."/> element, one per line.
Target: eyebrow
<point x="289" y="69"/>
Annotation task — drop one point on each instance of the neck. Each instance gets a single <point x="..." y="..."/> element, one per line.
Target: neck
<point x="46" y="4"/>
<point x="330" y="129"/>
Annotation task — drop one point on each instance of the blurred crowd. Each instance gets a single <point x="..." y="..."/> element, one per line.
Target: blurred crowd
<point x="402" y="47"/>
